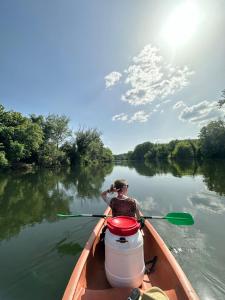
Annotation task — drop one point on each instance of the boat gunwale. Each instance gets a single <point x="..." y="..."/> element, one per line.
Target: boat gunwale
<point x="181" y="276"/>
<point x="75" y="276"/>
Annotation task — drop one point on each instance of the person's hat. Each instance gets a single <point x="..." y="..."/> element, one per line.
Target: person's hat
<point x="154" y="293"/>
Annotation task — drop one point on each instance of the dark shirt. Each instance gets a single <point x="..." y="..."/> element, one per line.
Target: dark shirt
<point x="123" y="207"/>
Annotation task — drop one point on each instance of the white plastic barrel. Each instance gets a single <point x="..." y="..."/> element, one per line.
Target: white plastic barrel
<point x="124" y="259"/>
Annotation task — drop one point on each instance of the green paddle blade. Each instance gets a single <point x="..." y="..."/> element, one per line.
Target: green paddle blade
<point x="179" y="218"/>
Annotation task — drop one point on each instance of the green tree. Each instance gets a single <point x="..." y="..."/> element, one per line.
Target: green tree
<point x="162" y="151"/>
<point x="3" y="160"/>
<point x="221" y="102"/>
<point x="150" y="155"/>
<point x="56" y="129"/>
<point x="140" y="150"/>
<point x="50" y="156"/>
<point x="84" y="138"/>
<point x="212" y="140"/>
<point x="107" y="155"/>
<point x="183" y="150"/>
<point x="90" y="148"/>
<point x="19" y="136"/>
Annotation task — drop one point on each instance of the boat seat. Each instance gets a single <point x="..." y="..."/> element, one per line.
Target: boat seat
<point x="109" y="294"/>
<point x="115" y="293"/>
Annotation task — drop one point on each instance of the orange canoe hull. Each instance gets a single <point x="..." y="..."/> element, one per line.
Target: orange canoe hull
<point x="88" y="280"/>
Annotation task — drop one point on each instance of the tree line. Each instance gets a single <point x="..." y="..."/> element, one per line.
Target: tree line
<point x="209" y="145"/>
<point x="47" y="141"/>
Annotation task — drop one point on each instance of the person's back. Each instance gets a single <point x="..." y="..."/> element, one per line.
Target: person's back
<point x="123" y="207"/>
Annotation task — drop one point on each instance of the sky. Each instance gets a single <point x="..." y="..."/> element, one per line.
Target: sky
<point x="146" y="70"/>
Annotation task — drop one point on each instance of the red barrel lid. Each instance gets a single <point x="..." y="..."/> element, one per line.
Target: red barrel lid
<point x="123" y="225"/>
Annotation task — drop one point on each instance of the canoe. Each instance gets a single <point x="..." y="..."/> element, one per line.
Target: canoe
<point x="88" y="280"/>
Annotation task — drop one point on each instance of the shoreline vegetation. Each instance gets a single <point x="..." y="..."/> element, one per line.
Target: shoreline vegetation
<point x="39" y="141"/>
<point x="209" y="145"/>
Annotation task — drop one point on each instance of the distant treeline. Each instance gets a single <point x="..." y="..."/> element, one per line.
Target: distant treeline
<point x="210" y="144"/>
<point x="47" y="141"/>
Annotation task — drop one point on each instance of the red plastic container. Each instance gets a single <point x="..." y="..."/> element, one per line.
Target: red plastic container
<point x="123" y="225"/>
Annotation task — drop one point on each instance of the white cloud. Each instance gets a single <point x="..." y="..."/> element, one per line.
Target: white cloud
<point x="120" y="117"/>
<point x="149" y="204"/>
<point x="179" y="104"/>
<point x="139" y="116"/>
<point x="150" y="77"/>
<point x="112" y="78"/>
<point x="166" y="101"/>
<point x="207" y="201"/>
<point x="201" y="112"/>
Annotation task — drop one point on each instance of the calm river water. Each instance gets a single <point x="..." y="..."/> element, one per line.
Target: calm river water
<point x="38" y="250"/>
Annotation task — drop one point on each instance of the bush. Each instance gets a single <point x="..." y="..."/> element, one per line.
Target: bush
<point x="183" y="150"/>
<point x="3" y="160"/>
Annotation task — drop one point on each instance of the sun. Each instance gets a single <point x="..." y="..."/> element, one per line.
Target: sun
<point x="181" y="24"/>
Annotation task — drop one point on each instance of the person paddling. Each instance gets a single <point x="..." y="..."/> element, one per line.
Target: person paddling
<point x="122" y="204"/>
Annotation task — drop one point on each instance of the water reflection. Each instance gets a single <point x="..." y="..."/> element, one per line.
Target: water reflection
<point x="214" y="176"/>
<point x="69" y="248"/>
<point x="42" y="256"/>
<point x="88" y="180"/>
<point x="29" y="198"/>
<point x="207" y="201"/>
<point x="213" y="171"/>
<point x="176" y="168"/>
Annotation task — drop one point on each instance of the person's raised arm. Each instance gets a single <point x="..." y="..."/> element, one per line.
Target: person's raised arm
<point x="104" y="196"/>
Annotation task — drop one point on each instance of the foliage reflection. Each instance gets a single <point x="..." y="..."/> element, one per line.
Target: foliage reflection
<point x="212" y="171"/>
<point x="29" y="198"/>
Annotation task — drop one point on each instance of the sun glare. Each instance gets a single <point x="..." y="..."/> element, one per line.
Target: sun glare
<point x="181" y="24"/>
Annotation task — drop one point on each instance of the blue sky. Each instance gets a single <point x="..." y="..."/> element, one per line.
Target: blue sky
<point x="137" y="70"/>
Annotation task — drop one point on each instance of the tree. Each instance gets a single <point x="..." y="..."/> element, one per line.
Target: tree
<point x="50" y="156"/>
<point x="84" y="138"/>
<point x="141" y="149"/>
<point x="90" y="148"/>
<point x="19" y="136"/>
<point x="162" y="151"/>
<point x="150" y="155"/>
<point x="3" y="160"/>
<point x="56" y="129"/>
<point x="212" y="140"/>
<point x="107" y="155"/>
<point x="183" y="150"/>
<point x="221" y="102"/>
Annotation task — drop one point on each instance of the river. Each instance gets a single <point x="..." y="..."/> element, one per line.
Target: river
<point x="38" y="250"/>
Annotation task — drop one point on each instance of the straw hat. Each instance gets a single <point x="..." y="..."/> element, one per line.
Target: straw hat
<point x="154" y="293"/>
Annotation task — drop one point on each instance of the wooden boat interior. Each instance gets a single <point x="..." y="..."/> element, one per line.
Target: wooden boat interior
<point x="89" y="282"/>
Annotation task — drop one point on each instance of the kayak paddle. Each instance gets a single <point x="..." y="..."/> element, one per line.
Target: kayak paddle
<point x="177" y="218"/>
<point x="83" y="215"/>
